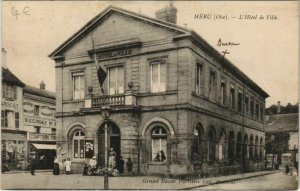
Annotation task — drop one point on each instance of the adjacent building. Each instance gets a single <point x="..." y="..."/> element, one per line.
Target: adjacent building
<point x="13" y="134"/>
<point x="177" y="106"/>
<point x="40" y="123"/>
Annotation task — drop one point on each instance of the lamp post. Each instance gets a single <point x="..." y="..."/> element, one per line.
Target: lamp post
<point x="105" y="114"/>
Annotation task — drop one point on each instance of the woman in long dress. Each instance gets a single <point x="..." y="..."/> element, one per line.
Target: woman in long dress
<point x="56" y="167"/>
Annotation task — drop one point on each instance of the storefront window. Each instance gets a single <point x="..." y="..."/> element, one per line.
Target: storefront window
<point x="159" y="144"/>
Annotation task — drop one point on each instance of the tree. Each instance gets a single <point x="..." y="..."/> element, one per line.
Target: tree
<point x="277" y="143"/>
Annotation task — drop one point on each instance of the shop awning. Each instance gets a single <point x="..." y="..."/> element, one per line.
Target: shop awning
<point x="44" y="146"/>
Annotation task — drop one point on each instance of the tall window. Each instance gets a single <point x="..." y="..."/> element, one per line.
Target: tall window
<point x="232" y="97"/>
<point x="261" y="112"/>
<point x="158" y="75"/>
<point x="252" y="107"/>
<point x="17" y="120"/>
<point x="197" y="145"/>
<point x="223" y="92"/>
<point x="211" y="146"/>
<point x="53" y="131"/>
<point x="222" y="145"/>
<point x="78" y="144"/>
<point x="159" y="144"/>
<point x="9" y="91"/>
<point x="7" y="118"/>
<point x="231" y="147"/>
<point x="36" y="110"/>
<point x="199" y="79"/>
<point x="246" y="104"/>
<point x="78" y="85"/>
<point x="256" y="111"/>
<point x="116" y="80"/>
<point x="240" y="101"/>
<point x="212" y="85"/>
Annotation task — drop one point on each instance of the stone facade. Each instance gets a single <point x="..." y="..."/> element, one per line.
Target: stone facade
<point x="176" y="95"/>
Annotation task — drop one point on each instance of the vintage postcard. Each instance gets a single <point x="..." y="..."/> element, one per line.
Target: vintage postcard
<point x="149" y="95"/>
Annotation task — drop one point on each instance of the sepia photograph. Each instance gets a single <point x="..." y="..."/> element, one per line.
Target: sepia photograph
<point x="149" y="95"/>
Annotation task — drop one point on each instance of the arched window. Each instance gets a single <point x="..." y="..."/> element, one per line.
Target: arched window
<point x="251" y="147"/>
<point x="222" y="145"/>
<point x="211" y="145"/>
<point x="261" y="147"/>
<point x="159" y="144"/>
<point x="245" y="148"/>
<point x="239" y="146"/>
<point x="197" y="144"/>
<point x="78" y="144"/>
<point x="231" y="147"/>
<point x="256" y="147"/>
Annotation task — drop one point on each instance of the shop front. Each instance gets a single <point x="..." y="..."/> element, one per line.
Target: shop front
<point x="43" y="148"/>
<point x="13" y="150"/>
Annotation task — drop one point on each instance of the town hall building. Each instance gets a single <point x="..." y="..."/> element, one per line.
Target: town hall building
<point x="177" y="106"/>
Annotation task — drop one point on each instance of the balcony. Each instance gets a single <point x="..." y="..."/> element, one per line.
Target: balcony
<point x="111" y="100"/>
<point x="41" y="137"/>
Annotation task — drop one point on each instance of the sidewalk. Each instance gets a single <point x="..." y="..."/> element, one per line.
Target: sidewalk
<point x="26" y="171"/>
<point x="46" y="180"/>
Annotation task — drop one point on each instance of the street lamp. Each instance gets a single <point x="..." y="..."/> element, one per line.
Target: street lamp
<point x="105" y="114"/>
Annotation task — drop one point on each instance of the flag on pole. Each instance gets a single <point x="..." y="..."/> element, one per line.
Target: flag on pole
<point x="101" y="71"/>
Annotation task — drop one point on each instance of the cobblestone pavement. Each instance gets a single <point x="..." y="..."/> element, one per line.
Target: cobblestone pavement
<point x="45" y="180"/>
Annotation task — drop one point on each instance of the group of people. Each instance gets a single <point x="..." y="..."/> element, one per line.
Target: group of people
<point x="113" y="163"/>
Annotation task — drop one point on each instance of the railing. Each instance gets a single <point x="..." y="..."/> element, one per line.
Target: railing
<point x="42" y="137"/>
<point x="112" y="100"/>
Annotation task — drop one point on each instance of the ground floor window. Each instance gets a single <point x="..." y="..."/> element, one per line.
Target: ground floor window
<point x="197" y="144"/>
<point x="159" y="144"/>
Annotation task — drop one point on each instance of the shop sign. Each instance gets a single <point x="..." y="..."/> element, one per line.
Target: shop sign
<point x="41" y="137"/>
<point x="9" y="105"/>
<point x="38" y="121"/>
<point x="114" y="54"/>
<point x="13" y="136"/>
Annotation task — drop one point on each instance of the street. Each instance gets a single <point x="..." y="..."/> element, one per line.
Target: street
<point x="271" y="181"/>
<point x="45" y="180"/>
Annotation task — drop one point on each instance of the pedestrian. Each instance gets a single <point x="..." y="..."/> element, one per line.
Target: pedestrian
<point x="129" y="165"/>
<point x="55" y="167"/>
<point x="33" y="165"/>
<point x="85" y="169"/>
<point x="287" y="169"/>
<point x="68" y="166"/>
<point x="120" y="165"/>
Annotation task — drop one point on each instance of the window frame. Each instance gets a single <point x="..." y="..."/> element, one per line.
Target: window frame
<point x="79" y="140"/>
<point x="17" y="120"/>
<point x="232" y="98"/>
<point x="116" y="80"/>
<point x="212" y="85"/>
<point x="162" y="61"/>
<point x="81" y="75"/>
<point x="223" y="92"/>
<point x="199" y="79"/>
<point x="161" y="136"/>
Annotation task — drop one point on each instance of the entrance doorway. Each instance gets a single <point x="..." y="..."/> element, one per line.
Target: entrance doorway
<point x="114" y="142"/>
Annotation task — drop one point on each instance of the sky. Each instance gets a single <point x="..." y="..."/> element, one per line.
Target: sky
<point x="268" y="50"/>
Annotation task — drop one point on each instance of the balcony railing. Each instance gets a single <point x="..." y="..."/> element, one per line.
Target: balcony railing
<point x="111" y="100"/>
<point x="42" y="137"/>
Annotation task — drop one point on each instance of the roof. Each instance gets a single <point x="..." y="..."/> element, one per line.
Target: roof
<point x="39" y="92"/>
<point x="8" y="76"/>
<point x="282" y="122"/>
<point x="184" y="33"/>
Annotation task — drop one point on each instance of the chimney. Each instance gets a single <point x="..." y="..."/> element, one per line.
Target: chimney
<point x="168" y="14"/>
<point x="278" y="107"/>
<point x="42" y="85"/>
<point x="3" y="58"/>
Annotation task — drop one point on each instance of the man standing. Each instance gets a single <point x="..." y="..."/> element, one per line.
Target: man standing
<point x="33" y="165"/>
